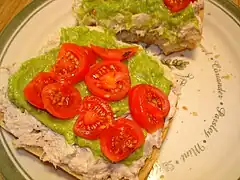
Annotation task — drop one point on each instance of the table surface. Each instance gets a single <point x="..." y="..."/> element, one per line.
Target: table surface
<point x="9" y="8"/>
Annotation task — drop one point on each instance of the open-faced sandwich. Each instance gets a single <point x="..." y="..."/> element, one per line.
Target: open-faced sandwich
<point x="93" y="106"/>
<point x="173" y="25"/>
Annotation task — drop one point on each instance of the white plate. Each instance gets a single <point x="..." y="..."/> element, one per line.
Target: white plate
<point x="204" y="140"/>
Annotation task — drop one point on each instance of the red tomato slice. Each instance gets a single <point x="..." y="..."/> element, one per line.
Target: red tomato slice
<point x="114" y="54"/>
<point x="121" y="139"/>
<point x="61" y="101"/>
<point x="72" y="63"/>
<point x="149" y="106"/>
<point x="108" y="80"/>
<point x="91" y="56"/>
<point x="34" y="88"/>
<point x="176" y="5"/>
<point x="95" y="116"/>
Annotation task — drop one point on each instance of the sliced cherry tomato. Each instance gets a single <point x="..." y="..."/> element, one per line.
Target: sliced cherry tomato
<point x="108" y="80"/>
<point x="34" y="88"/>
<point x="95" y="116"/>
<point x="176" y="5"/>
<point x="72" y="64"/>
<point x="121" y="139"/>
<point x="149" y="106"/>
<point x="114" y="54"/>
<point x="66" y="47"/>
<point x="62" y="101"/>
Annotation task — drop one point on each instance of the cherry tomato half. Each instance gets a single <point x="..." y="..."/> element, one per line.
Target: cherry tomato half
<point x="176" y="5"/>
<point x="61" y="100"/>
<point x="95" y="116"/>
<point x="148" y="106"/>
<point x="119" y="54"/>
<point x="108" y="80"/>
<point x="121" y="139"/>
<point x="91" y="56"/>
<point x="34" y="88"/>
<point x="72" y="63"/>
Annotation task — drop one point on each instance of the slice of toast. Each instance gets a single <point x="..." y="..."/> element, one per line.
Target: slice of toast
<point x="38" y="151"/>
<point x="188" y="36"/>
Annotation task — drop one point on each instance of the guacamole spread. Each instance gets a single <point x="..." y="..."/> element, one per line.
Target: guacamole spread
<point x="142" y="68"/>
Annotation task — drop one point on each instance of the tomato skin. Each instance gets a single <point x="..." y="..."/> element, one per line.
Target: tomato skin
<point x="91" y="56"/>
<point x="177" y="5"/>
<point x="33" y="89"/>
<point x="61" y="100"/>
<point x="95" y="116"/>
<point x="148" y="106"/>
<point x="119" y="54"/>
<point x="108" y="80"/>
<point x="72" y="63"/>
<point x="121" y="139"/>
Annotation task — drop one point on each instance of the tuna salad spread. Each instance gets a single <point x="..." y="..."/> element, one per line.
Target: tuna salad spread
<point x="92" y="121"/>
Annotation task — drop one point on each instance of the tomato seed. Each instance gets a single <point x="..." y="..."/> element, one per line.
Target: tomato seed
<point x="76" y="60"/>
<point x="56" y="97"/>
<point x="67" y="53"/>
<point x="102" y="127"/>
<point x="112" y="67"/>
<point x="120" y="86"/>
<point x="106" y="95"/>
<point x="117" y="90"/>
<point x="61" y="101"/>
<point x="72" y="56"/>
<point x="129" y="144"/>
<point x="96" y="76"/>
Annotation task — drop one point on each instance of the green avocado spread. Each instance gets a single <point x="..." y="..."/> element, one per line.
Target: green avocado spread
<point x="146" y="15"/>
<point x="142" y="68"/>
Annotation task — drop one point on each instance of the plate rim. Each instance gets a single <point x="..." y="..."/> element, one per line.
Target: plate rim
<point x="10" y="31"/>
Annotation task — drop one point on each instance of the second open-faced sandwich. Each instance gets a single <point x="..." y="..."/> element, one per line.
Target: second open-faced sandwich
<point x="173" y="25"/>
